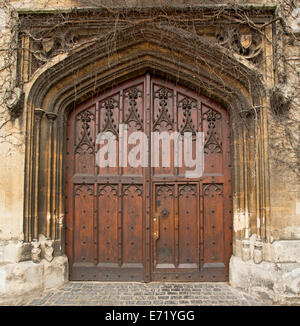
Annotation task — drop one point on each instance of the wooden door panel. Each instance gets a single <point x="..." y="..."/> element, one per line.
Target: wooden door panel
<point x="134" y="118"/>
<point x="83" y="223"/>
<point x="213" y="251"/>
<point x="163" y="121"/>
<point x="84" y="158"/>
<point x="148" y="223"/>
<point x="132" y="226"/>
<point x="188" y="226"/>
<point x="105" y="213"/>
<point x="164" y="242"/>
<point x="108" y="202"/>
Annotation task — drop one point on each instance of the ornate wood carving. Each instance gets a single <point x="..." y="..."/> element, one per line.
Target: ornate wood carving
<point x="85" y="144"/>
<point x="212" y="143"/>
<point x="187" y="105"/>
<point x="187" y="190"/>
<point x="165" y="190"/>
<point x="133" y="115"/>
<point x="109" y="123"/>
<point x="133" y="188"/>
<point x="83" y="189"/>
<point x="212" y="189"/>
<point x="104" y="190"/>
<point x="164" y="117"/>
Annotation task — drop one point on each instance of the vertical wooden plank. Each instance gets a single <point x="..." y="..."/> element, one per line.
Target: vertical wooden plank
<point x="165" y="206"/>
<point x="148" y="212"/>
<point x="176" y="225"/>
<point x="83" y="223"/>
<point x="188" y="231"/>
<point x="213" y="223"/>
<point x="132" y="225"/>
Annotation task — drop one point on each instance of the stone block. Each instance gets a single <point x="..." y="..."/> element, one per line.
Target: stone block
<point x="19" y="281"/>
<point x="270" y="281"/>
<point x="55" y="272"/>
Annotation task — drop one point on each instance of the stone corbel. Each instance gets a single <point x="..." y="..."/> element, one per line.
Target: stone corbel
<point x="280" y="99"/>
<point x="36" y="251"/>
<point x="246" y="252"/>
<point x="14" y="100"/>
<point x="49" y="250"/>
<point x="258" y="251"/>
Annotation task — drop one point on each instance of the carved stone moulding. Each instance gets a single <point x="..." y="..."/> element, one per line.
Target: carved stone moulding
<point x="242" y="40"/>
<point x="59" y="36"/>
<point x="14" y="100"/>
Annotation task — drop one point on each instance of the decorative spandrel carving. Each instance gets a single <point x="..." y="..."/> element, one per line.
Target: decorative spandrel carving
<point x="132" y="189"/>
<point x="46" y="45"/>
<point x="187" y="105"/>
<point x="242" y="40"/>
<point x="212" y="143"/>
<point x="212" y="189"/>
<point x="133" y="115"/>
<point x="165" y="191"/>
<point x="187" y="190"/>
<point x="84" y="190"/>
<point x="106" y="190"/>
<point x="85" y="144"/>
<point x="163" y="118"/>
<point x="109" y="122"/>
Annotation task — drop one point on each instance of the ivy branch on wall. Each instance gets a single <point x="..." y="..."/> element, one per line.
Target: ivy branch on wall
<point x="284" y="97"/>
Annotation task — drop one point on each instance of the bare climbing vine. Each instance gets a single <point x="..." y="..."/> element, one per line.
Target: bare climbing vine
<point x="9" y="29"/>
<point x="56" y="36"/>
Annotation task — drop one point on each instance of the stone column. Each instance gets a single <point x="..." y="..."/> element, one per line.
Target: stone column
<point x="246" y="254"/>
<point x="257" y="253"/>
<point x="51" y="178"/>
<point x="33" y="229"/>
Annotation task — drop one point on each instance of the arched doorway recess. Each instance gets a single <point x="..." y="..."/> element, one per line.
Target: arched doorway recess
<point x="64" y="83"/>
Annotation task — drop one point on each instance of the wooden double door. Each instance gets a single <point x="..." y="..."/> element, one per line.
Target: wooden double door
<point x="145" y="223"/>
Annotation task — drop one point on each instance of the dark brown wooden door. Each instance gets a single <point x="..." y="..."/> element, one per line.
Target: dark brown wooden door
<point x="148" y="223"/>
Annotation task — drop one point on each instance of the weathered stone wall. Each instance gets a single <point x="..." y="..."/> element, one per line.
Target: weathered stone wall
<point x="11" y="135"/>
<point x="284" y="127"/>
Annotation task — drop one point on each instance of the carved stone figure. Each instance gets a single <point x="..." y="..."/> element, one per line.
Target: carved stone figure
<point x="49" y="250"/>
<point x="35" y="251"/>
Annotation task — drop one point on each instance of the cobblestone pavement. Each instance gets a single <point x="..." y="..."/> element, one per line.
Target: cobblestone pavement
<point x="141" y="294"/>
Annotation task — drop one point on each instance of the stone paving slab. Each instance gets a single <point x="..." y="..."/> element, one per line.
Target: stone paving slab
<point x="146" y="294"/>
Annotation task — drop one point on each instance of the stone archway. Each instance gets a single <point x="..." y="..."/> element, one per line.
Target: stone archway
<point x="70" y="79"/>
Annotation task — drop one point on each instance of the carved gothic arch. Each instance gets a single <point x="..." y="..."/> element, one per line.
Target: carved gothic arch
<point x="187" y="59"/>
